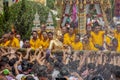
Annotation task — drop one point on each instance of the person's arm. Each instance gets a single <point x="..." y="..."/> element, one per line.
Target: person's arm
<point x="77" y="75"/>
<point x="17" y="43"/>
<point x="83" y="60"/>
<point x="27" y="54"/>
<point x="17" y="63"/>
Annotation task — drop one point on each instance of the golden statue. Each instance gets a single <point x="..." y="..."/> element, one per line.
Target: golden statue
<point x="56" y="43"/>
<point x="41" y="1"/>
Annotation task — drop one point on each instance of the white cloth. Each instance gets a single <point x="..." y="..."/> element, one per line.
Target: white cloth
<point x="55" y="74"/>
<point x="72" y="78"/>
<point x="21" y="44"/>
<point x="19" y="76"/>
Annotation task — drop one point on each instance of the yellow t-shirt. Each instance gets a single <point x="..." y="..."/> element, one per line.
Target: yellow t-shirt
<point x="89" y="46"/>
<point x="117" y="36"/>
<point x="34" y="43"/>
<point x="77" y="46"/>
<point x="4" y="44"/>
<point x="13" y="43"/>
<point x="68" y="39"/>
<point x="45" y="43"/>
<point x="108" y="40"/>
<point x="97" y="38"/>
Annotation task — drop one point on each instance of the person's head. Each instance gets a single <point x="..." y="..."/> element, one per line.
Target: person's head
<point x="11" y="35"/>
<point x="97" y="78"/>
<point x="18" y="37"/>
<point x="44" y="33"/>
<point x="43" y="27"/>
<point x="77" y="37"/>
<point x="29" y="78"/>
<point x="64" y="30"/>
<point x="4" y="59"/>
<point x="96" y="27"/>
<point x="50" y="35"/>
<point x="71" y="30"/>
<point x="4" y="65"/>
<point x="25" y="65"/>
<point x="118" y="27"/>
<point x="115" y="44"/>
<point x="5" y="37"/>
<point x="86" y="38"/>
<point x="12" y="61"/>
<point x="34" y="34"/>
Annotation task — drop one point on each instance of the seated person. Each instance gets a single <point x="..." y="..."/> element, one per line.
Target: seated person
<point x="77" y="45"/>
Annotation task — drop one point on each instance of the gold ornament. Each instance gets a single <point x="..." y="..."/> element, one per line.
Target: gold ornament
<point x="84" y="1"/>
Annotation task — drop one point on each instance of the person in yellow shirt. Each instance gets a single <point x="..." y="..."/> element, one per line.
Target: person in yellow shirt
<point x="42" y="29"/>
<point x="12" y="42"/>
<point x="4" y="40"/>
<point x="87" y="44"/>
<point x="34" y="41"/>
<point x="97" y="37"/>
<point x="69" y="37"/>
<point x="117" y="36"/>
<point x="50" y="36"/>
<point x="77" y="45"/>
<point x="45" y="42"/>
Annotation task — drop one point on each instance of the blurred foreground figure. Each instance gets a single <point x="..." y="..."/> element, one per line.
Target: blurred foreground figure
<point x="56" y="43"/>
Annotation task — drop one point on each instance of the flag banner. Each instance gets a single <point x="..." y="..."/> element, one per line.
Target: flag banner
<point x="117" y="8"/>
<point x="15" y="1"/>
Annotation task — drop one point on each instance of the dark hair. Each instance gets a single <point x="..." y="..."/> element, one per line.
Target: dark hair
<point x="5" y="59"/>
<point x="2" y="64"/>
<point x="29" y="78"/>
<point x="78" y="35"/>
<point x="50" y="32"/>
<point x="12" y="61"/>
<point x="97" y="78"/>
<point x="91" y="66"/>
<point x="33" y="32"/>
<point x="11" y="33"/>
<point x="25" y="65"/>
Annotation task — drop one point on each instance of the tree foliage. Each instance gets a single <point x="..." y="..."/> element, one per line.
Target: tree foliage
<point x="22" y="16"/>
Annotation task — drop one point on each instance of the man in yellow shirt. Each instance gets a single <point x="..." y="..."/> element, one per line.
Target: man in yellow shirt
<point x="4" y="40"/>
<point x="12" y="42"/>
<point x="34" y="41"/>
<point x="69" y="37"/>
<point x="77" y="45"/>
<point x="87" y="44"/>
<point x="117" y="36"/>
<point x="45" y="42"/>
<point x="97" y="37"/>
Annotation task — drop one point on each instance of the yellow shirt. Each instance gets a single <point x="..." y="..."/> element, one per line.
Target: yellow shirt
<point x="89" y="46"/>
<point x="77" y="46"/>
<point x="45" y="43"/>
<point x="117" y="36"/>
<point x="97" y="38"/>
<point x="35" y="43"/>
<point x="108" y="40"/>
<point x="13" y="43"/>
<point x="4" y="44"/>
<point x="68" y="39"/>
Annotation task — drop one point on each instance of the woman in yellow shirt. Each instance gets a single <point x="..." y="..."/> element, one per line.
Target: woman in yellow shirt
<point x="77" y="45"/>
<point x="34" y="41"/>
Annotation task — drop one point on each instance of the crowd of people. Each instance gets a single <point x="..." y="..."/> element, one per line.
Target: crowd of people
<point x="95" y="39"/>
<point x="61" y="55"/>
